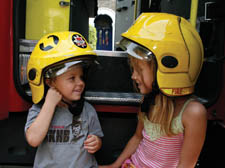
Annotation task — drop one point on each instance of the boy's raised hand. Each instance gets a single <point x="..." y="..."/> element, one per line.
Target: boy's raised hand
<point x="53" y="96"/>
<point x="92" y="144"/>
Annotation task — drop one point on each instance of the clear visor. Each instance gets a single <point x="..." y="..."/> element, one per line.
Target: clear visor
<point x="59" y="69"/>
<point x="136" y="50"/>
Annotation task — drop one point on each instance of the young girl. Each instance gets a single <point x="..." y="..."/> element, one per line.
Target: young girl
<point x="63" y="126"/>
<point x="166" y="56"/>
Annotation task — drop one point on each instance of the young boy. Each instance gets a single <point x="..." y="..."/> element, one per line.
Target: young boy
<point x="63" y="126"/>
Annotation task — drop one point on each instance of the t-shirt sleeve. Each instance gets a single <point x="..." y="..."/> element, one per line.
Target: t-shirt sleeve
<point x="32" y="114"/>
<point x="94" y="124"/>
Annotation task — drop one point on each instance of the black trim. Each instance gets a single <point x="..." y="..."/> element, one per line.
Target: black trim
<point x="18" y="23"/>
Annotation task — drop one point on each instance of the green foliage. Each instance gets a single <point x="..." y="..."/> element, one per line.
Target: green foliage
<point x="92" y="37"/>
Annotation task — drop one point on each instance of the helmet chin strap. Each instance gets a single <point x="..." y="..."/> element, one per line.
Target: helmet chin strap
<point x="76" y="107"/>
<point x="149" y="99"/>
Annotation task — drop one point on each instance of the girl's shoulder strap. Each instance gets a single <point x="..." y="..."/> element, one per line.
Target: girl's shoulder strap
<point x="177" y="125"/>
<point x="185" y="105"/>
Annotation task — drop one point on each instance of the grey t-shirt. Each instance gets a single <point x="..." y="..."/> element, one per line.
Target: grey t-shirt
<point x="63" y="145"/>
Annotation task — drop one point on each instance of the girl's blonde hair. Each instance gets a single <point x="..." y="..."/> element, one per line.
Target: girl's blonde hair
<point x="162" y="112"/>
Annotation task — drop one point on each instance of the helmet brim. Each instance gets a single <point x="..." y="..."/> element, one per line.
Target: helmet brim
<point x="59" y="69"/>
<point x="136" y="50"/>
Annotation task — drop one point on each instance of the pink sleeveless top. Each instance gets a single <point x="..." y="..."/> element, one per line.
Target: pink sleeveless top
<point x="161" y="153"/>
<point x="159" y="150"/>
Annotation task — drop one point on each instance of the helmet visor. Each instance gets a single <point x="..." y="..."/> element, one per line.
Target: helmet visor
<point x="136" y="50"/>
<point x="59" y="69"/>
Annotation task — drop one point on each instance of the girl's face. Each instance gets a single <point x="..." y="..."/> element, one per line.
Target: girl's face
<point x="70" y="84"/>
<point x="142" y="75"/>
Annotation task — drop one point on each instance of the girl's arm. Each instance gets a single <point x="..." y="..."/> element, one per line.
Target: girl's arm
<point x="39" y="128"/>
<point x="195" y="122"/>
<point x="131" y="146"/>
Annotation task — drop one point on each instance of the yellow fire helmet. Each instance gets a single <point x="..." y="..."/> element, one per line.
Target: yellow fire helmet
<point x="54" y="54"/>
<point x="176" y="46"/>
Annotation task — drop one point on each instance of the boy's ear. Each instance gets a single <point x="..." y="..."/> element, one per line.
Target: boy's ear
<point x="48" y="82"/>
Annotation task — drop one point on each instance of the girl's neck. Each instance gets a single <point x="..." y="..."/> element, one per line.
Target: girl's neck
<point x="180" y="100"/>
<point x="178" y="104"/>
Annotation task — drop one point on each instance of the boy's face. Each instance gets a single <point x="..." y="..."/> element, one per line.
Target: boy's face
<point x="70" y="84"/>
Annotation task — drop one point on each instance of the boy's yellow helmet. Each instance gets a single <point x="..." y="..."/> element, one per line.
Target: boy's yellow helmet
<point x="53" y="49"/>
<point x="176" y="46"/>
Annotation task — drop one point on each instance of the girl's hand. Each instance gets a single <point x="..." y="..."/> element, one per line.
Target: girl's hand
<point x="93" y="143"/>
<point x="53" y="96"/>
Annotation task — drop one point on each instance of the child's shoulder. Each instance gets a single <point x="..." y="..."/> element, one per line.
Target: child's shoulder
<point x="194" y="107"/>
<point x="194" y="111"/>
<point x="36" y="107"/>
<point x="86" y="103"/>
<point x="88" y="106"/>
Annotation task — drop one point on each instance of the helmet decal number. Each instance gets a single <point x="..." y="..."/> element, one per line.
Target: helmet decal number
<point x="49" y="43"/>
<point x="79" y="41"/>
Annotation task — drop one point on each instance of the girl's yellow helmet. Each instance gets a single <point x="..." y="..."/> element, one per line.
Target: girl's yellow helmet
<point x="176" y="46"/>
<point x="53" y="49"/>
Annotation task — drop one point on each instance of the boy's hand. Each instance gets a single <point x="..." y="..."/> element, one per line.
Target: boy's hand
<point x="93" y="143"/>
<point x="53" y="96"/>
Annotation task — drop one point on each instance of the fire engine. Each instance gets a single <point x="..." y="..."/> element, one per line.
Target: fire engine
<point x="109" y="87"/>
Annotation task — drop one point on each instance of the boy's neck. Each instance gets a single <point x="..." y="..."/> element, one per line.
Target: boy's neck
<point x="67" y="102"/>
